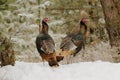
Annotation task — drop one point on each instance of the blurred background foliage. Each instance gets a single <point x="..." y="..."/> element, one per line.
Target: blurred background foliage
<point x="19" y="21"/>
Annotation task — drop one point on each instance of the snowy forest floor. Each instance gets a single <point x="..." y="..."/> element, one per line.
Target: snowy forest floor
<point x="101" y="51"/>
<point x="77" y="71"/>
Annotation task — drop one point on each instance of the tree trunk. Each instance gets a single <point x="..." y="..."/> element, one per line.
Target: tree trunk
<point x="7" y="56"/>
<point x="111" y="9"/>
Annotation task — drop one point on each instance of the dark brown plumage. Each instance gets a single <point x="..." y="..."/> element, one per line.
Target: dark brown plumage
<point x="78" y="39"/>
<point x="46" y="46"/>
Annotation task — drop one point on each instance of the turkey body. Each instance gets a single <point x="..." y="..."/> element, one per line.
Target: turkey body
<point x="46" y="46"/>
<point x="78" y="39"/>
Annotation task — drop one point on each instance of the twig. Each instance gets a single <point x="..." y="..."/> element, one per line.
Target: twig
<point x="39" y="16"/>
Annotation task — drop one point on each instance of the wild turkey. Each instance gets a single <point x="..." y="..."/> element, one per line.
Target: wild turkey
<point x="76" y="39"/>
<point x="46" y="46"/>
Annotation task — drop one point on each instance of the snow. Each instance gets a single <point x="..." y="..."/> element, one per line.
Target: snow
<point x="46" y="3"/>
<point x="56" y="22"/>
<point x="101" y="20"/>
<point x="26" y="14"/>
<point x="78" y="71"/>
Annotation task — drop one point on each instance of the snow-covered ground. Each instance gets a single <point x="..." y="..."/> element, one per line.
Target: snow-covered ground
<point x="77" y="71"/>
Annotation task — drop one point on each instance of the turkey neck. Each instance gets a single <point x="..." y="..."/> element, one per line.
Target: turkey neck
<point x="82" y="24"/>
<point x="44" y="27"/>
